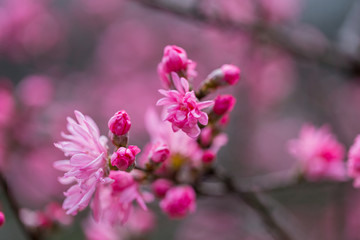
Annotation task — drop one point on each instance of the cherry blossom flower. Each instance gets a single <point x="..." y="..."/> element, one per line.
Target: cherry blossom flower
<point x="161" y="186"/>
<point x="175" y="60"/>
<point x="88" y="160"/>
<point x="179" y="201"/>
<point x="183" y="108"/>
<point x="113" y="203"/>
<point x="319" y="154"/>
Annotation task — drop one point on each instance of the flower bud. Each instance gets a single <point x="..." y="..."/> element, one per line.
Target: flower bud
<point x="159" y="153"/>
<point x="120" y="123"/>
<point x="208" y="156"/>
<point x="124" y="158"/>
<point x="174" y="59"/>
<point x="2" y="218"/>
<point x="161" y="186"/>
<point x="223" y="104"/>
<point x="179" y="201"/>
<point x="231" y="73"/>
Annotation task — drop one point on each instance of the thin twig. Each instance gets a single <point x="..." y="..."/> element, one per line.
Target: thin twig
<point x="253" y="200"/>
<point x="330" y="55"/>
<point x="15" y="207"/>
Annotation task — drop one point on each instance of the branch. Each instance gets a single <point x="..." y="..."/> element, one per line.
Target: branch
<point x="252" y="200"/>
<point x="15" y="207"/>
<point x="281" y="37"/>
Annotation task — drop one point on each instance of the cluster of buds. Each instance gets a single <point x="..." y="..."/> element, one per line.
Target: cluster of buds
<point x="186" y="142"/>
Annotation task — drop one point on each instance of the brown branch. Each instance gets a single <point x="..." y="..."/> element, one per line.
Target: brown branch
<point x="284" y="38"/>
<point x="252" y="200"/>
<point x="15" y="207"/>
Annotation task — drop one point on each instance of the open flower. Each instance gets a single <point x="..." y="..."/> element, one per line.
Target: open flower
<point x="319" y="153"/>
<point x="183" y="108"/>
<point x="88" y="159"/>
<point x="179" y="201"/>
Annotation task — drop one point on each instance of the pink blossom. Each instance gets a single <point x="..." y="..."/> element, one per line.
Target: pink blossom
<point x="354" y="162"/>
<point x="175" y="60"/>
<point x="114" y="203"/>
<point x="88" y="159"/>
<point x="161" y="186"/>
<point x="7" y="106"/>
<point x="120" y="123"/>
<point x="159" y="152"/>
<point x="223" y="104"/>
<point x="179" y="201"/>
<point x="231" y="73"/>
<point x="319" y="153"/>
<point x="124" y="158"/>
<point x="183" y="108"/>
<point x="208" y="156"/>
<point x="140" y="221"/>
<point x="2" y="218"/>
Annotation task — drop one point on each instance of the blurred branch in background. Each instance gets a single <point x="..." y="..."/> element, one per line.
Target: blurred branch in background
<point x="292" y="39"/>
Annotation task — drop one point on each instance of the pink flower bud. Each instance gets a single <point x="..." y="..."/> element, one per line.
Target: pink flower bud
<point x="122" y="180"/>
<point x="231" y="73"/>
<point x="161" y="186"/>
<point x="179" y="201"/>
<point x="208" y="156"/>
<point x="159" y="153"/>
<point x="120" y="123"/>
<point x="224" y="104"/>
<point x="174" y="59"/>
<point x="124" y="158"/>
<point x="2" y="218"/>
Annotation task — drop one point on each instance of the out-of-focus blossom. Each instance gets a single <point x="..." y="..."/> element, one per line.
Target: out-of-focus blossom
<point x="183" y="108"/>
<point x="28" y="28"/>
<point x="140" y="222"/>
<point x="101" y="231"/>
<point x="319" y="153"/>
<point x="120" y="123"/>
<point x="208" y="156"/>
<point x="354" y="162"/>
<point x="52" y="214"/>
<point x="7" y="105"/>
<point x="36" y="91"/>
<point x="175" y="60"/>
<point x="2" y="218"/>
<point x="161" y="186"/>
<point x="224" y="104"/>
<point x="159" y="152"/>
<point x="179" y="201"/>
<point x="88" y="152"/>
<point x="124" y="158"/>
<point x="113" y="203"/>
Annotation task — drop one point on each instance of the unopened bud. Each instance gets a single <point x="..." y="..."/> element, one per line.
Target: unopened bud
<point x="120" y="123"/>
<point x="223" y="104"/>
<point x="124" y="158"/>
